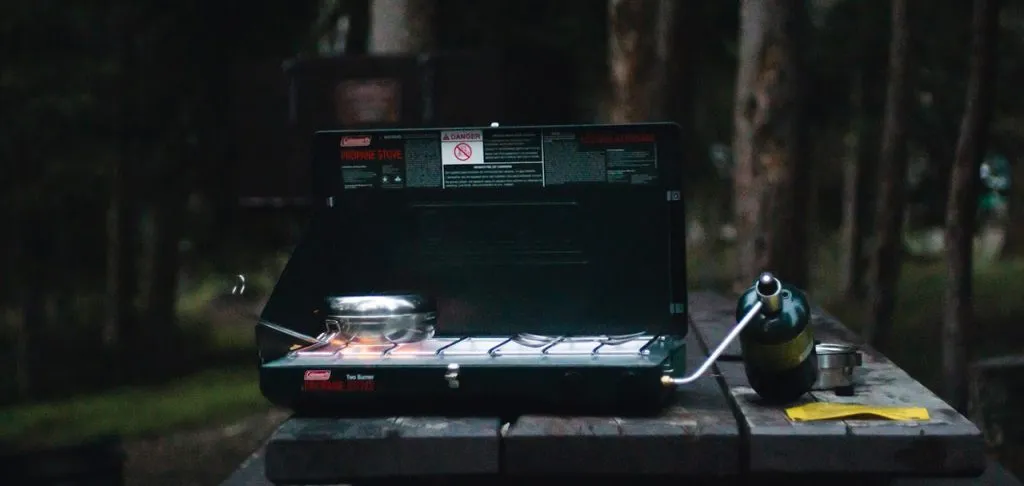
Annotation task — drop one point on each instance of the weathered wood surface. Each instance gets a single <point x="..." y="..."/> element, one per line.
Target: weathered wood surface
<point x="996" y="402"/>
<point x="994" y="475"/>
<point x="946" y="444"/>
<point x="250" y="473"/>
<point x="326" y="450"/>
<point x="697" y="436"/>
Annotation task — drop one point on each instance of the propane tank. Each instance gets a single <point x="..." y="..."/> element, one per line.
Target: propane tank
<point x="778" y="345"/>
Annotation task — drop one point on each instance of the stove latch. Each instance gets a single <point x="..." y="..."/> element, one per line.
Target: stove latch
<point x="452" y="375"/>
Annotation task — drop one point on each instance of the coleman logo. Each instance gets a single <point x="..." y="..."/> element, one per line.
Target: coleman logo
<point x="318" y="375"/>
<point x="361" y="141"/>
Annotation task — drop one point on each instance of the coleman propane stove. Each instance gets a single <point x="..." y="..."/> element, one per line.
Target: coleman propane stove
<point x="497" y="269"/>
<point x="477" y="374"/>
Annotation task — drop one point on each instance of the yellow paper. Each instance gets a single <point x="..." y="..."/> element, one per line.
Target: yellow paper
<point x="834" y="411"/>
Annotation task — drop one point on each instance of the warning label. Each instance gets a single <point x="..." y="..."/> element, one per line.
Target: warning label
<point x="494" y="175"/>
<point x="498" y="157"/>
<point x="462" y="147"/>
<point x="475" y="158"/>
<point x="513" y="147"/>
<point x="590" y="157"/>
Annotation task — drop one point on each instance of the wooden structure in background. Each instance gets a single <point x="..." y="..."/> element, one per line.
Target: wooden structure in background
<point x="277" y="110"/>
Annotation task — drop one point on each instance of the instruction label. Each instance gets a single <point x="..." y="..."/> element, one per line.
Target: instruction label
<point x="497" y="157"/>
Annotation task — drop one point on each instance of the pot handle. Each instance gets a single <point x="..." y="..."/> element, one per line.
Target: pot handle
<point x="239" y="287"/>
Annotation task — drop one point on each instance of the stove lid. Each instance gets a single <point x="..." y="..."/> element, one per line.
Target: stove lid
<point x="552" y="230"/>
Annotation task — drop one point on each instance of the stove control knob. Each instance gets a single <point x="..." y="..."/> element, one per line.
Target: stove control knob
<point x="451" y="375"/>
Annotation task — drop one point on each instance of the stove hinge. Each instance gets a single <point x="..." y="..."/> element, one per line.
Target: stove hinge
<point x="672" y="196"/>
<point x="677" y="308"/>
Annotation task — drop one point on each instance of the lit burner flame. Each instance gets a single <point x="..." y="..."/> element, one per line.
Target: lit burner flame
<point x="343" y="348"/>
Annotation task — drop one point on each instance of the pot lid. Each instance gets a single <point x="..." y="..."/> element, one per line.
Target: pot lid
<point x="382" y="304"/>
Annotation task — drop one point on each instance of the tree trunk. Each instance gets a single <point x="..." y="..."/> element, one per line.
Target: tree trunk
<point x="358" y="27"/>
<point x="1013" y="242"/>
<point x="679" y="91"/>
<point x="123" y="238"/>
<point x="124" y="250"/>
<point x="168" y="224"/>
<point x="401" y="26"/>
<point x="331" y="29"/>
<point x="851" y="273"/>
<point x="641" y="35"/>
<point x="770" y="174"/>
<point x="34" y="325"/>
<point x="961" y="211"/>
<point x="888" y="233"/>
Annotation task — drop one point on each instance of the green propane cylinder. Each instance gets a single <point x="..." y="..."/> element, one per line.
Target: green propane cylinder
<point x="778" y="345"/>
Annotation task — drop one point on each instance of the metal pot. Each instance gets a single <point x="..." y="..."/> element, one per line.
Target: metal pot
<point x="381" y="318"/>
<point x="836" y="363"/>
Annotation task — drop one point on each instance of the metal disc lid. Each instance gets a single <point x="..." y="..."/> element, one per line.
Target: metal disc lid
<point x="379" y="305"/>
<point x="394" y="317"/>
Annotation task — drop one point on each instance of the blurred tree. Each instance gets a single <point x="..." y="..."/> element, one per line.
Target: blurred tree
<point x="1008" y="126"/>
<point x="53" y="173"/>
<point x="640" y="43"/>
<point x="770" y="173"/>
<point x="113" y="111"/>
<point x="124" y="211"/>
<point x="401" y="26"/>
<point x="961" y="212"/>
<point x="935" y="104"/>
<point x="855" y="206"/>
<point x="1013" y="243"/>
<point x="341" y="27"/>
<point x="888" y="232"/>
<point x="859" y="138"/>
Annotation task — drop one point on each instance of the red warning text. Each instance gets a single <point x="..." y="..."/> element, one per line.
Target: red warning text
<point x="339" y="386"/>
<point x="370" y="154"/>
<point x="617" y="138"/>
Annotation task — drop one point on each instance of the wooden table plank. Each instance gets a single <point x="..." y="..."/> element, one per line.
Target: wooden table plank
<point x="696" y="436"/>
<point x="995" y="475"/>
<point x="324" y="450"/>
<point x="250" y="473"/>
<point x="946" y="444"/>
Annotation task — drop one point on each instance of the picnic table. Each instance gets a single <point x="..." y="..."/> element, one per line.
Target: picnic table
<point x="715" y="433"/>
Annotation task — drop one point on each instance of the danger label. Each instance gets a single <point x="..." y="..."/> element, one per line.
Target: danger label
<point x="462" y="136"/>
<point x="462" y="147"/>
<point x="463" y="151"/>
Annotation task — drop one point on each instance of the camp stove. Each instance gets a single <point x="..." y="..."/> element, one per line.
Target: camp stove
<point x="484" y="270"/>
<point x="478" y="373"/>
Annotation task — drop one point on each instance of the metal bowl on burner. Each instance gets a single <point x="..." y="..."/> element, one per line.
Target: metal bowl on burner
<point x="381" y="318"/>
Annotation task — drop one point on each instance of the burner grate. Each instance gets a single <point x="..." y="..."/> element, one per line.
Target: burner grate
<point x="522" y="345"/>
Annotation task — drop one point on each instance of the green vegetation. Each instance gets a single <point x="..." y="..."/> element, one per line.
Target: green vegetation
<point x="998" y="307"/>
<point x="205" y="398"/>
<point x="228" y="390"/>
